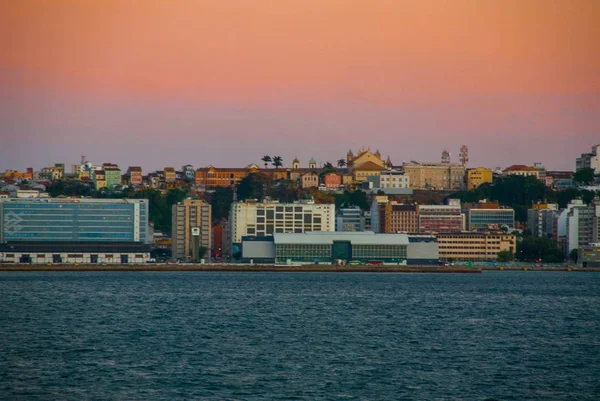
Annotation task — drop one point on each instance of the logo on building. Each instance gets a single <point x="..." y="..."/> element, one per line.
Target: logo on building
<point x="195" y="231"/>
<point x="12" y="223"/>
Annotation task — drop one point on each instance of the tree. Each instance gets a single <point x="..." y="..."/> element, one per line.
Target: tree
<point x="505" y="256"/>
<point x="266" y="160"/>
<point x="341" y="163"/>
<point x="201" y="252"/>
<point x="574" y="255"/>
<point x="328" y="166"/>
<point x="221" y="201"/>
<point x="584" y="176"/>
<point x="531" y="249"/>
<point x="252" y="187"/>
<point x="277" y="161"/>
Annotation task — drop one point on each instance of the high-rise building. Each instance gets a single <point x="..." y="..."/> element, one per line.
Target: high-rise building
<point x="540" y="219"/>
<point x="252" y="218"/>
<point x="440" y="218"/>
<point x="191" y="228"/>
<point x="589" y="160"/>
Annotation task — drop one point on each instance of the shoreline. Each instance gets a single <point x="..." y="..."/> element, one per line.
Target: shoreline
<point x="280" y="269"/>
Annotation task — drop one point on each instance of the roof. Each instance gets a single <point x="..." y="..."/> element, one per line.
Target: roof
<point x="520" y="167"/>
<point x="328" y="237"/>
<point x="370" y="166"/>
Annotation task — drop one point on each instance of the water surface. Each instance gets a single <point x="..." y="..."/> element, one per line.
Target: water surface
<point x="299" y="336"/>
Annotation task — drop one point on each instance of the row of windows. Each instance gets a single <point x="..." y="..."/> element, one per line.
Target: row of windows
<point x="375" y="251"/>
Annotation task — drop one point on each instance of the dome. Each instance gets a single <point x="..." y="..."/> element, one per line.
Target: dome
<point x="312" y="161"/>
<point x="296" y="160"/>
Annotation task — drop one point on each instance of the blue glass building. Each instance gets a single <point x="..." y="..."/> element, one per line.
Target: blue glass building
<point x="74" y="220"/>
<point x="484" y="219"/>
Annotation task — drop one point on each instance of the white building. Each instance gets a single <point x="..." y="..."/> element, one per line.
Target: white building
<point x="252" y="218"/>
<point x="589" y="160"/>
<point x="393" y="179"/>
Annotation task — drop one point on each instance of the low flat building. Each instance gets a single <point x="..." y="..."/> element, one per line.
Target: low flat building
<point x="344" y="247"/>
<point x="474" y="246"/>
<point x="589" y="255"/>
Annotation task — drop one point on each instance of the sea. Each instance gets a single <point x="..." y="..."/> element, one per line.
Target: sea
<point x="299" y="336"/>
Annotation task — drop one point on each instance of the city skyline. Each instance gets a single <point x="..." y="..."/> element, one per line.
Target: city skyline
<point x="157" y="84"/>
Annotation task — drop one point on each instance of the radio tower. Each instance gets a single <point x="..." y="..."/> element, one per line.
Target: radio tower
<point x="445" y="156"/>
<point x="464" y="155"/>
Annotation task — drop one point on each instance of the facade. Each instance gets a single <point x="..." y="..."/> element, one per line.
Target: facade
<point x="112" y="175"/>
<point x="99" y="179"/>
<point x="134" y="175"/>
<point x="266" y="218"/>
<point x="169" y="175"/>
<point x="191" y="228"/>
<point x="540" y="219"/>
<point x="72" y="230"/>
<point x="522" y="170"/>
<point x="440" y="218"/>
<point x="437" y="176"/>
<point x="332" y="181"/>
<point x="474" y="246"/>
<point x="589" y="160"/>
<point x="478" y="176"/>
<point x="490" y="219"/>
<point x="73" y="219"/>
<point x="212" y="177"/>
<point x="589" y="255"/>
<point x="350" y="219"/>
<point x="188" y="172"/>
<point x="310" y="180"/>
<point x="17" y="175"/>
<point x="393" y="179"/>
<point x="394" y="217"/>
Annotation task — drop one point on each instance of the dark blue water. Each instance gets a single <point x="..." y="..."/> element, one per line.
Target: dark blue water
<point x="299" y="336"/>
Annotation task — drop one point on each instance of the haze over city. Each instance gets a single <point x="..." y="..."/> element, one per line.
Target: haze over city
<point x="223" y="83"/>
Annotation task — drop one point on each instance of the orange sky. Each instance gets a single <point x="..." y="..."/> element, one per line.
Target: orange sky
<point x="436" y="72"/>
<point x="378" y="50"/>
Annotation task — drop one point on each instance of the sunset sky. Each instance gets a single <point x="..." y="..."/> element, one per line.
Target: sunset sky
<point x="170" y="82"/>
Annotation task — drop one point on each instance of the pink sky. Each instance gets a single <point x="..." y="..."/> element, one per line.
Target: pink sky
<point x="162" y="82"/>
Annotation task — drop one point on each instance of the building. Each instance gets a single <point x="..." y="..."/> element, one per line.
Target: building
<point x="478" y="176"/>
<point x="99" y="179"/>
<point x="73" y="230"/>
<point x="252" y="218"/>
<point x="188" y="172"/>
<point x="435" y="176"/>
<point x="169" y="175"/>
<point x="589" y="160"/>
<point x="211" y="177"/>
<point x="589" y="255"/>
<point x="393" y="217"/>
<point x="393" y="179"/>
<point x="134" y="176"/>
<point x="332" y="181"/>
<point x="112" y="175"/>
<point x="191" y="229"/>
<point x="522" y="170"/>
<point x="540" y="219"/>
<point x="474" y="246"/>
<point x="559" y="180"/>
<point x="350" y="219"/>
<point x="440" y="218"/>
<point x="310" y="180"/>
<point x="18" y="176"/>
<point x="490" y="217"/>
<point x="580" y="227"/>
<point x="340" y="247"/>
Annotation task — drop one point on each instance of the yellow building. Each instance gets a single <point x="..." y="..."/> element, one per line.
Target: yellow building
<point x="364" y="164"/>
<point x="475" y="246"/>
<point x="478" y="176"/>
<point x="435" y="176"/>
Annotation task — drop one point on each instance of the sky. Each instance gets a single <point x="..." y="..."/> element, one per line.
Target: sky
<point x="209" y="82"/>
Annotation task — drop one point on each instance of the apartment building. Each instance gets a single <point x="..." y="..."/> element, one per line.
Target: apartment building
<point x="474" y="246"/>
<point x="191" y="228"/>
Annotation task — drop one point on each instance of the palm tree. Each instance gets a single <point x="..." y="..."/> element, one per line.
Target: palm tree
<point x="341" y="163"/>
<point x="277" y="161"/>
<point x="267" y="160"/>
<point x="328" y="166"/>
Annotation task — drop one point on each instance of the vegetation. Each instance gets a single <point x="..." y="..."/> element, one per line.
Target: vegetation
<point x="341" y="163"/>
<point x="584" y="176"/>
<point x="505" y="256"/>
<point x="574" y="255"/>
<point x="532" y="249"/>
<point x="221" y="201"/>
<point x="277" y="161"/>
<point x="349" y="199"/>
<point x="520" y="193"/>
<point x="266" y="160"/>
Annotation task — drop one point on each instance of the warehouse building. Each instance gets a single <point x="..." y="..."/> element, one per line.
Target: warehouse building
<point x="336" y="247"/>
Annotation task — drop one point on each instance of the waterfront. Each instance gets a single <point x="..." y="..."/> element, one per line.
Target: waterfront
<point x="170" y="335"/>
